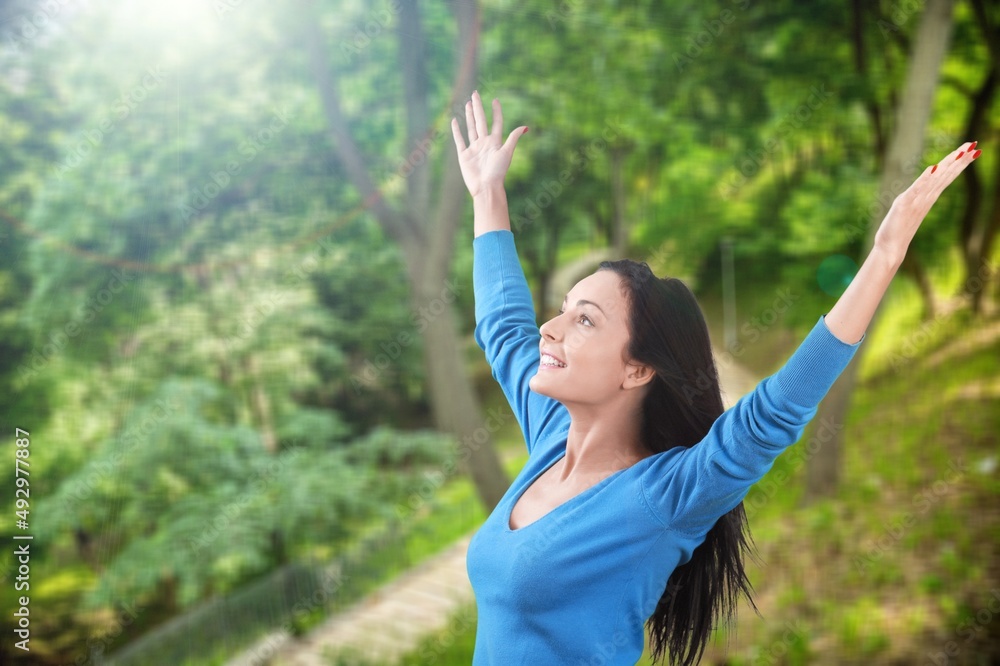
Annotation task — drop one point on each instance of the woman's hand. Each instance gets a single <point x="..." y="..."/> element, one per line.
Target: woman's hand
<point x="485" y="161"/>
<point x="850" y="316"/>
<point x="909" y="209"/>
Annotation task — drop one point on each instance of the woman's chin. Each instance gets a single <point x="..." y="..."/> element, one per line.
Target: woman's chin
<point x="537" y="384"/>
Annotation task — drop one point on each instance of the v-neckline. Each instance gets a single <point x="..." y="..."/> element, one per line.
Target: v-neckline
<point x="510" y="509"/>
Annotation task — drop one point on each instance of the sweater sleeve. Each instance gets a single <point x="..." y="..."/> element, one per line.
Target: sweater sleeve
<point x="691" y="488"/>
<point x="506" y="330"/>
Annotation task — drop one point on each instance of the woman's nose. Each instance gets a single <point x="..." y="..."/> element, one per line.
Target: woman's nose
<point x="549" y="329"/>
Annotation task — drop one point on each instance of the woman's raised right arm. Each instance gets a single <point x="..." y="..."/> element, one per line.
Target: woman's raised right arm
<point x="505" y="316"/>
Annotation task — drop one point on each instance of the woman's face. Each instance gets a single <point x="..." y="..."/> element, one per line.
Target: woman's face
<point x="583" y="346"/>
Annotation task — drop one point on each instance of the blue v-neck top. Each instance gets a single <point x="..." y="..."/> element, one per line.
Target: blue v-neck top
<point x="577" y="585"/>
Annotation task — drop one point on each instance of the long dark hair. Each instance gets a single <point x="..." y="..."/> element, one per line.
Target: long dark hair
<point x="667" y="331"/>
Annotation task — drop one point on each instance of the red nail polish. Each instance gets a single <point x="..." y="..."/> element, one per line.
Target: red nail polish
<point x="934" y="168"/>
<point x="973" y="146"/>
<point x="977" y="154"/>
<point x="959" y="155"/>
<point x="525" y="130"/>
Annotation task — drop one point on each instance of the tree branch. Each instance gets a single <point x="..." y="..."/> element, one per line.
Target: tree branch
<point x="346" y="148"/>
<point x="448" y="215"/>
<point x="412" y="62"/>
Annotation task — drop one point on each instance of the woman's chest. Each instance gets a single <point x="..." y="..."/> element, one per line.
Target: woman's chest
<point x="547" y="493"/>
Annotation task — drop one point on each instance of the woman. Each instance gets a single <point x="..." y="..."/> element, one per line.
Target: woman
<point x="630" y="505"/>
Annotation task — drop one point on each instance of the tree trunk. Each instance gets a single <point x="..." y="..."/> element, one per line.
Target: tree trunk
<point x="979" y="283"/>
<point x="426" y="236"/>
<point x="915" y="269"/>
<point x="978" y="272"/>
<point x="454" y="402"/>
<point x="903" y="158"/>
<point x="973" y="237"/>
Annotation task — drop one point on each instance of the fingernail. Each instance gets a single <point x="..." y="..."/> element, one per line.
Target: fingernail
<point x="960" y="154"/>
<point x="977" y="154"/>
<point x="973" y="146"/>
<point x="525" y="131"/>
<point x="934" y="168"/>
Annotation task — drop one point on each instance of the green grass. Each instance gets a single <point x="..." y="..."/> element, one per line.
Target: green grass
<point x="453" y="645"/>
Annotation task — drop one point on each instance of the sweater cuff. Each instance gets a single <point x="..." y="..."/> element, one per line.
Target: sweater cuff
<point x="814" y="367"/>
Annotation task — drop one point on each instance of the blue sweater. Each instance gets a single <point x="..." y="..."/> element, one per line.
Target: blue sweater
<point x="577" y="585"/>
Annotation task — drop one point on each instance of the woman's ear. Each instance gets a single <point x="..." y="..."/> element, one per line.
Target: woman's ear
<point x="637" y="375"/>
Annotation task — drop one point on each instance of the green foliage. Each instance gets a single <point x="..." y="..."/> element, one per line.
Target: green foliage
<point x="215" y="341"/>
<point x="180" y="493"/>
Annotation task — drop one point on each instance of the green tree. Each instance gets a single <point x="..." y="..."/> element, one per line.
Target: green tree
<point x="423" y="226"/>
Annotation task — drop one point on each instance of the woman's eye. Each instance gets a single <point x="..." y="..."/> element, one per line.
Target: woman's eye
<point x="583" y="319"/>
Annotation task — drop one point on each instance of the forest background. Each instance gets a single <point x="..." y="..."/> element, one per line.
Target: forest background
<point x="235" y="291"/>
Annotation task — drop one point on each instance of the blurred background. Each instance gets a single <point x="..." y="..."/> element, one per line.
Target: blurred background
<point x="236" y="310"/>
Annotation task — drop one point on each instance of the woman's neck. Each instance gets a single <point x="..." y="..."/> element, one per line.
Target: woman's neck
<point x="601" y="442"/>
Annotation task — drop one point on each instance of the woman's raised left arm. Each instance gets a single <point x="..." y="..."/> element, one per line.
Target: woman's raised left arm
<point x="849" y="318"/>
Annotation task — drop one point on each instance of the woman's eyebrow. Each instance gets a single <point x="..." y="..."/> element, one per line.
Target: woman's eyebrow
<point x="583" y="301"/>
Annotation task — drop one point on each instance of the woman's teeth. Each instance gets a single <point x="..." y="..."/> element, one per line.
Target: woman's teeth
<point x="551" y="361"/>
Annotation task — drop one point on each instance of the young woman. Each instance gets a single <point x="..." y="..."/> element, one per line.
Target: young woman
<point x="629" y="508"/>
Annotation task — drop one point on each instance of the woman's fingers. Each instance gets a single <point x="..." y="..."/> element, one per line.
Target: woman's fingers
<point x="475" y="121"/>
<point x="479" y="114"/>
<point x="456" y="132"/>
<point x="470" y="122"/>
<point x="512" y="140"/>
<point x="956" y="161"/>
<point x="497" y="129"/>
